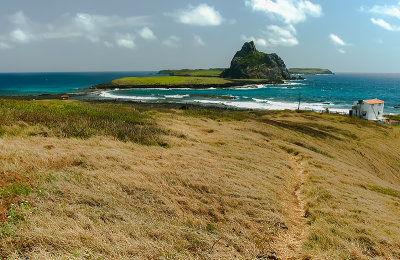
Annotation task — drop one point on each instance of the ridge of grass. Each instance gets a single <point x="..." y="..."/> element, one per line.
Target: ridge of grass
<point x="78" y="119"/>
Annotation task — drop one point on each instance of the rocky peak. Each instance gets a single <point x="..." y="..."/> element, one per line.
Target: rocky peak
<point x="250" y="63"/>
<point x="248" y="47"/>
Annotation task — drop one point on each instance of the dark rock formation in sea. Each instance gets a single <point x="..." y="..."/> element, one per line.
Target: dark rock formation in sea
<point x="249" y="63"/>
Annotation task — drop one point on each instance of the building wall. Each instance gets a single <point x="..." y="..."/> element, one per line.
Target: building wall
<point x="368" y="111"/>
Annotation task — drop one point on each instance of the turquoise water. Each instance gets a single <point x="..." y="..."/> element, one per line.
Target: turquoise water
<point x="317" y="92"/>
<point x="16" y="84"/>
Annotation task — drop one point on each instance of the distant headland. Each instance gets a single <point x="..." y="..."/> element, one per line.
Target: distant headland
<point x="310" y="71"/>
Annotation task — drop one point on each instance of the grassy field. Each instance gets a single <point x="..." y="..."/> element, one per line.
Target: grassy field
<point x="76" y="119"/>
<point x="215" y="185"/>
<point x="182" y="81"/>
<point x="309" y="71"/>
<point x="194" y="73"/>
<point x="170" y="81"/>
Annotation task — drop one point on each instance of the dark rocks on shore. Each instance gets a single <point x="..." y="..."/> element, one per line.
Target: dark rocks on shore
<point x="249" y="63"/>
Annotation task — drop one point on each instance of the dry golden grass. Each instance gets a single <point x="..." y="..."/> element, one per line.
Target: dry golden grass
<point x="225" y="188"/>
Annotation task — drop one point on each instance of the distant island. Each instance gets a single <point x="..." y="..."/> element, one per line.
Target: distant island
<point x="248" y="66"/>
<point x="310" y="71"/>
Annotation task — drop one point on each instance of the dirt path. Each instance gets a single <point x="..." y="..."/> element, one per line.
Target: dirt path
<point x="292" y="233"/>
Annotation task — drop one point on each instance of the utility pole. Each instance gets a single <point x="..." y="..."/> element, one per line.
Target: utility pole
<point x="298" y="108"/>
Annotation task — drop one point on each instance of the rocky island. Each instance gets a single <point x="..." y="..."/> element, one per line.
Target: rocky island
<point x="249" y="66"/>
<point x="249" y="63"/>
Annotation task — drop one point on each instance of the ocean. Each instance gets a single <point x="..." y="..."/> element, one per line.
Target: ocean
<point x="317" y="92"/>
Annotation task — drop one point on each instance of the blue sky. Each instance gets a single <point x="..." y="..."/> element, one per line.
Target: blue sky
<point x="103" y="35"/>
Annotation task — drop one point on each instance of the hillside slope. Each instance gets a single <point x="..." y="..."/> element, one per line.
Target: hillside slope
<point x="214" y="184"/>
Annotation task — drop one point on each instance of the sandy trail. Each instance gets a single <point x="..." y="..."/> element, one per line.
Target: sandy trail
<point x="293" y="233"/>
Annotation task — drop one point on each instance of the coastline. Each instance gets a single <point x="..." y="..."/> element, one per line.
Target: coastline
<point x="240" y="96"/>
<point x="232" y="84"/>
<point x="213" y="105"/>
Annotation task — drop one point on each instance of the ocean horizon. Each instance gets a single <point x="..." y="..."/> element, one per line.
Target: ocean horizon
<point x="317" y="93"/>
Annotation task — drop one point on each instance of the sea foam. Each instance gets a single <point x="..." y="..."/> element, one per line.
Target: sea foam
<point x="107" y="94"/>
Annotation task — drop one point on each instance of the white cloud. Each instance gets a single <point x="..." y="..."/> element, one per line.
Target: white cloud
<point x="337" y="40"/>
<point x="19" y="19"/>
<point x="172" y="41"/>
<point x="276" y="36"/>
<point x="382" y="23"/>
<point x="198" y="40"/>
<point x="20" y="36"/>
<point x="291" y="11"/>
<point x="94" y="28"/>
<point x="257" y="41"/>
<point x="201" y="15"/>
<point x="283" y="36"/>
<point x="4" y="46"/>
<point x="387" y="10"/>
<point x="125" y="40"/>
<point x="90" y="22"/>
<point x="85" y="21"/>
<point x="147" y="34"/>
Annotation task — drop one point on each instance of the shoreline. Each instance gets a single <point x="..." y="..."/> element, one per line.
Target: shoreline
<point x="85" y="97"/>
<point x="233" y="83"/>
<point x="94" y="95"/>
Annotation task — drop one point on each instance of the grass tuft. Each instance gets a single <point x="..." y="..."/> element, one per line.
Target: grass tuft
<point x="289" y="150"/>
<point x="15" y="189"/>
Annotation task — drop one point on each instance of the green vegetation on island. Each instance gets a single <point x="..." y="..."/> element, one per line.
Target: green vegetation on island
<point x="213" y="72"/>
<point x="169" y="81"/>
<point x="180" y="82"/>
<point x="308" y="71"/>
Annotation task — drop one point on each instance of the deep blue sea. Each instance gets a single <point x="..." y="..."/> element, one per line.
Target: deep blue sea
<point x="317" y="92"/>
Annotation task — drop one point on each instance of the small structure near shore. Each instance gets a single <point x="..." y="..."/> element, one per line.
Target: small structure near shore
<point x="371" y="109"/>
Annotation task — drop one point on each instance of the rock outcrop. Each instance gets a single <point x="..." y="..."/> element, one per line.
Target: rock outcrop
<point x="249" y="63"/>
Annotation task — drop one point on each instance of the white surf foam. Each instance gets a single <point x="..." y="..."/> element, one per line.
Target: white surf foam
<point x="176" y="96"/>
<point x="265" y="104"/>
<point x="247" y="87"/>
<point x="106" y="94"/>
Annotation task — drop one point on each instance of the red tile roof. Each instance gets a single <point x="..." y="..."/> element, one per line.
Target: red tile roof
<point x="374" y="101"/>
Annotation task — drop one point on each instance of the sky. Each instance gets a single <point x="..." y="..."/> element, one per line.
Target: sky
<point x="133" y="35"/>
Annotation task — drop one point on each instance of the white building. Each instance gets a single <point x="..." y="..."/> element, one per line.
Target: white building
<point x="371" y="109"/>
